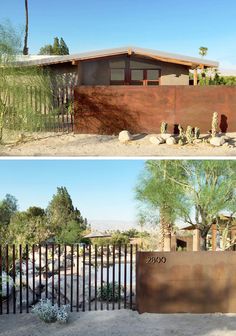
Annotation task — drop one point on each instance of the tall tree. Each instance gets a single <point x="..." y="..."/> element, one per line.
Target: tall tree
<point x="26" y="49"/>
<point x="46" y="50"/>
<point x="207" y="188"/>
<point x="62" y="214"/>
<point x="56" y="46"/>
<point x="13" y="80"/>
<point x="64" y="50"/>
<point x="28" y="227"/>
<point x="160" y="195"/>
<point x="8" y="207"/>
<point x="203" y="51"/>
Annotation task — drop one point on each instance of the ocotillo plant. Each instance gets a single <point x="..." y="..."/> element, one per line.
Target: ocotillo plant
<point x="214" y="124"/>
<point x="164" y="126"/>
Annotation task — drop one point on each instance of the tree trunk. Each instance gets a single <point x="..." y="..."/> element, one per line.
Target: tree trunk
<point x="165" y="233"/>
<point x="203" y="243"/>
<point x="26" y="50"/>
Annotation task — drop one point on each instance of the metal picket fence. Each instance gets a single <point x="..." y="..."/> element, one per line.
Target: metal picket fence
<point x="87" y="277"/>
<point x="34" y="109"/>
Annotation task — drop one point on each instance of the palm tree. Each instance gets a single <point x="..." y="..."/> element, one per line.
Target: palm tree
<point x="26" y="49"/>
<point x="203" y="51"/>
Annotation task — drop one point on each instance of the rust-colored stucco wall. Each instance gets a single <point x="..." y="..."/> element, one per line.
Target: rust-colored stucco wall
<point x="110" y="109"/>
<point x="187" y="282"/>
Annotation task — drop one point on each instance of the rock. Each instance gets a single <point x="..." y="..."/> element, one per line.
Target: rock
<point x="197" y="141"/>
<point x="24" y="298"/>
<point x="165" y="136"/>
<point x="171" y="141"/>
<point x="156" y="140"/>
<point x="226" y="144"/>
<point x="124" y="136"/>
<point x="68" y="289"/>
<point x="6" y="281"/>
<point x="217" y="141"/>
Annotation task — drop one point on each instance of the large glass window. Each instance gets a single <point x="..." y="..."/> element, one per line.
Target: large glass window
<point x="122" y="76"/>
<point x="117" y="74"/>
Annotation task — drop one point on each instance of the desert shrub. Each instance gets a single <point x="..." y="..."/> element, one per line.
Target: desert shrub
<point x="49" y="313"/>
<point x="106" y="292"/>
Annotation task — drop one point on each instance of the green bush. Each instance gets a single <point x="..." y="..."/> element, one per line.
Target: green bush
<point x="106" y="292"/>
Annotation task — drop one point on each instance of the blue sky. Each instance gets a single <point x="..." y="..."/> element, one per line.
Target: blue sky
<point x="101" y="189"/>
<point x="177" y="26"/>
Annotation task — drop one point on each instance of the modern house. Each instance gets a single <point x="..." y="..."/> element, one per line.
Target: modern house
<point x="122" y="66"/>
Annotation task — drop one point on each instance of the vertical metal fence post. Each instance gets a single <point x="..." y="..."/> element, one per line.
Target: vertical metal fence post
<point x="119" y="277"/>
<point x="59" y="275"/>
<point x="20" y="255"/>
<point x="53" y="272"/>
<point x="0" y="279"/>
<point x="27" y="277"/>
<point x="89" y="277"/>
<point x="40" y="269"/>
<point x="13" y="277"/>
<point x="108" y="285"/>
<point x="95" y="275"/>
<point x="7" y="272"/>
<point x="125" y="276"/>
<point x="46" y="269"/>
<point x="131" y="276"/>
<point x="113" y="276"/>
<point x="84" y="277"/>
<point x="77" y="280"/>
<point x="65" y="279"/>
<point x="71" y="278"/>
<point x="33" y="264"/>
<point x="101" y="290"/>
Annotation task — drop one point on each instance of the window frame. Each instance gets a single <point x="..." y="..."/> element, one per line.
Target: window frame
<point x="128" y="77"/>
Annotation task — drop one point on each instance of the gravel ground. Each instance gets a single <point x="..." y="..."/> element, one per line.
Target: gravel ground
<point x="103" y="145"/>
<point x="122" y="323"/>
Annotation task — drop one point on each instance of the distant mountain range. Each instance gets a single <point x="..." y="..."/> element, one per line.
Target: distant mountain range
<point x="103" y="225"/>
<point x="227" y="72"/>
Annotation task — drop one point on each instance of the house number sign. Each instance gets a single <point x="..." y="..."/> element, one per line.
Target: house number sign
<point x="155" y="260"/>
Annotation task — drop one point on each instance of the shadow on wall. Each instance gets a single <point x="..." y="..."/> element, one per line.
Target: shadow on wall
<point x="223" y="123"/>
<point x="186" y="297"/>
<point x="104" y="114"/>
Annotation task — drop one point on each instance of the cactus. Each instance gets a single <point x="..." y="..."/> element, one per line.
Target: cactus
<point x="189" y="134"/>
<point x="181" y="142"/>
<point x="182" y="137"/>
<point x="196" y="132"/>
<point x="214" y="124"/>
<point x="164" y="126"/>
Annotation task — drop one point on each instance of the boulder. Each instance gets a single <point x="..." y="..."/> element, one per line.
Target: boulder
<point x="217" y="141"/>
<point x="156" y="140"/>
<point x="24" y="297"/>
<point x="124" y="136"/>
<point x="197" y="141"/>
<point x="165" y="136"/>
<point x="68" y="289"/>
<point x="6" y="281"/>
<point x="171" y="141"/>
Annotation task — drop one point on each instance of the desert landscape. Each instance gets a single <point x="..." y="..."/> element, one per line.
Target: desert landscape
<point x="51" y="144"/>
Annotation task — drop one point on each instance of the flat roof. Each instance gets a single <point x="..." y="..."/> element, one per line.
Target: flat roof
<point x="150" y="53"/>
